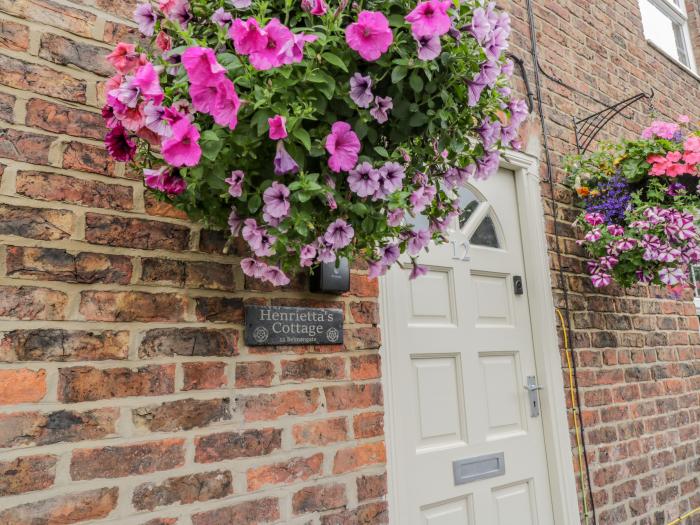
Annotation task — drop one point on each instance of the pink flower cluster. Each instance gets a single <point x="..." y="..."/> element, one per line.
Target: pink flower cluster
<point x="676" y="163"/>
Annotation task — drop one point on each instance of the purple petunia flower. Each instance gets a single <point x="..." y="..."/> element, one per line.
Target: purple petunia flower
<point x="240" y="4"/>
<point x="326" y="254"/>
<point x="307" y="254"/>
<point x="390" y="254"/>
<point x="480" y="28"/>
<point x="146" y="18"/>
<point x="490" y="132"/>
<point x="275" y="276"/>
<point x="487" y="165"/>
<point x="395" y="218"/>
<point x="221" y="17"/>
<point x="276" y="199"/>
<point x="235" y="183"/>
<point x="119" y="145"/>
<point x="154" y="119"/>
<point x="360" y="90"/>
<point x="391" y="177"/>
<point x="429" y="47"/>
<point x="284" y="163"/>
<point x="339" y="234"/>
<point x="364" y="180"/>
<point x="418" y="271"/>
<point x="381" y="108"/>
<point x="235" y="223"/>
<point x="418" y="240"/>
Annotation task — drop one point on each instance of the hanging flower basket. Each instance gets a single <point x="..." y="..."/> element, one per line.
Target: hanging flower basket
<point x="315" y="130"/>
<point x="639" y="201"/>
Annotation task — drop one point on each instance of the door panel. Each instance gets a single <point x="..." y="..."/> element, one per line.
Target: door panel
<point x="459" y="356"/>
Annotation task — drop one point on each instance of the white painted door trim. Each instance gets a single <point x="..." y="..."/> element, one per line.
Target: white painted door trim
<point x="546" y="344"/>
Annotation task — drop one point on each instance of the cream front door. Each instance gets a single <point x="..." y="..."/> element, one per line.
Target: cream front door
<point x="468" y="445"/>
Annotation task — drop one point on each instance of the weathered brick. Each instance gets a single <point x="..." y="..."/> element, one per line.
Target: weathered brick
<point x="55" y="344"/>
<point x="204" y="375"/>
<point x="127" y="460"/>
<point x="331" y="368"/>
<point x="364" y="367"/>
<point x="160" y="208"/>
<point x="132" y="306"/>
<point x="353" y="396"/>
<point x="33" y="223"/>
<point x="349" y="459"/>
<point x="123" y="8"/>
<point x="58" y="118"/>
<point x="365" y="312"/>
<point x="53" y="264"/>
<point x="183" y="414"/>
<point x="362" y="286"/>
<point x="291" y="471"/>
<point x="368" y="424"/>
<point x="86" y="157"/>
<point x="163" y="271"/>
<point x="162" y="342"/>
<point x="14" y="36"/>
<point x="203" y="486"/>
<point x="54" y="187"/>
<point x="22" y="386"/>
<point x="254" y="373"/>
<point x="256" y="512"/>
<point x="219" y="309"/>
<point x="64" y="509"/>
<point x="36" y="428"/>
<point x="365" y="338"/>
<point x="233" y="445"/>
<point x="215" y="276"/>
<point x="273" y="406"/>
<point x="67" y="52"/>
<point x="161" y="521"/>
<point x="7" y="102"/>
<point x="27" y="474"/>
<point x="371" y="487"/>
<point x="370" y="514"/>
<point x="28" y="302"/>
<point x="85" y="383"/>
<point x="51" y="13"/>
<point x="319" y="498"/>
<point x="40" y="79"/>
<point x="135" y="233"/>
<point x="320" y="433"/>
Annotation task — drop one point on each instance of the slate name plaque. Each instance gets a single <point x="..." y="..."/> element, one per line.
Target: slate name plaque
<point x="286" y="325"/>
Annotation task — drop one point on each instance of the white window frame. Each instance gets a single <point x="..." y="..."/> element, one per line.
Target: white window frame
<point x="677" y="15"/>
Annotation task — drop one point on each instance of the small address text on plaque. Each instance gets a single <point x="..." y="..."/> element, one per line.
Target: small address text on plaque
<point x="287" y="325"/>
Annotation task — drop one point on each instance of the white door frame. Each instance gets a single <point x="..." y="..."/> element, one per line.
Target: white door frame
<point x="546" y="345"/>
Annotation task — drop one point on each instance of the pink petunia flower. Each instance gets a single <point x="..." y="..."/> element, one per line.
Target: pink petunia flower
<point x="201" y="66"/>
<point x="164" y="180"/>
<point x="594" y="235"/>
<point x="147" y="81"/>
<point x="293" y="51"/>
<point x="235" y="183"/>
<point x="658" y="128"/>
<point x="344" y="147"/>
<point x="119" y="146"/>
<point x="248" y="37"/>
<point x="370" y="36"/>
<point x="601" y="279"/>
<point x="124" y="58"/>
<point x="132" y="119"/>
<point x="320" y="8"/>
<point x="672" y="276"/>
<point x="430" y="18"/>
<point x="278" y="128"/>
<point x="182" y="148"/>
<point x="164" y="42"/>
<point x="279" y="38"/>
<point x="594" y="219"/>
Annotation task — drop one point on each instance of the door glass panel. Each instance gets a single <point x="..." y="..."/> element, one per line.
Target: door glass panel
<point x="485" y="234"/>
<point x="469" y="203"/>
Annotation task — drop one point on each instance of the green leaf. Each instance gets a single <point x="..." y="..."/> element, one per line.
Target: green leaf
<point x="360" y="209"/>
<point x="302" y="136"/>
<point x="368" y="225"/>
<point x="417" y="120"/>
<point x="398" y="74"/>
<point x="211" y="144"/>
<point x="396" y="20"/>
<point x="254" y="203"/>
<point x="335" y="60"/>
<point x="416" y="82"/>
<point x="381" y="151"/>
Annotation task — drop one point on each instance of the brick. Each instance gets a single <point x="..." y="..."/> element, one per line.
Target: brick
<point x="355" y="458"/>
<point x="363" y="367"/>
<point x="166" y="342"/>
<point x="365" y="312"/>
<point x="55" y="344"/>
<point x="7" y="102"/>
<point x="204" y="375"/>
<point x="53" y="264"/>
<point x="370" y="514"/>
<point x="362" y="286"/>
<point x="40" y="79"/>
<point x="163" y="271"/>
<point x="36" y="428"/>
<point x="320" y="433"/>
<point x="366" y="338"/>
<point x="369" y="424"/>
<point x="254" y="374"/>
<point x="67" y="52"/>
<point x="14" y="36"/>
<point x="154" y="206"/>
<point x="214" y="276"/>
<point x="48" y="187"/>
<point x="30" y="303"/>
<point x="256" y="512"/>
<point x="116" y="32"/>
<point x="85" y="383"/>
<point x="353" y="396"/>
<point x="123" y="8"/>
<point x="291" y="471"/>
<point x="233" y="445"/>
<point x="219" y="309"/>
<point x="273" y="406"/>
<point x="58" y="118"/>
<point x="371" y="487"/>
<point x="161" y="521"/>
<point x="329" y="368"/>
<point x="135" y="233"/>
<point x="86" y="157"/>
<point x="132" y="306"/>
<point x="319" y="498"/>
<point x="64" y="509"/>
<point x="27" y="474"/>
<point x="51" y="13"/>
<point x="22" y="386"/>
<point x="35" y="223"/>
<point x="203" y="486"/>
<point x="127" y="460"/>
<point x="183" y="414"/>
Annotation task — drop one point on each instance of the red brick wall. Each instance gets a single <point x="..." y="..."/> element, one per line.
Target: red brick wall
<point x="126" y="392"/>
<point x="637" y="351"/>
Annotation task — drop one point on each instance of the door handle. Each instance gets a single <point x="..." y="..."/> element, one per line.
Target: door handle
<point x="533" y="398"/>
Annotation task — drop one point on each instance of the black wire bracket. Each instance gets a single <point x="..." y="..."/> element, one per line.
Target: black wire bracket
<point x="586" y="129"/>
